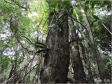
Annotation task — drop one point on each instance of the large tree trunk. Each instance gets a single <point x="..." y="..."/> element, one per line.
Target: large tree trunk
<point x="57" y="60"/>
<point x="93" y="48"/>
<point x="76" y="61"/>
<point x="85" y="51"/>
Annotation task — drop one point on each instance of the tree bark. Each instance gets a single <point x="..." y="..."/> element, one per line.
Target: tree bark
<point x="85" y="50"/>
<point x="76" y="61"/>
<point x="93" y="48"/>
<point x="57" y="60"/>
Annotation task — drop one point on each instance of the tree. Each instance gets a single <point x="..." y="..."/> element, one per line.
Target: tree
<point x="55" y="41"/>
<point x="57" y="60"/>
<point x="79" y="74"/>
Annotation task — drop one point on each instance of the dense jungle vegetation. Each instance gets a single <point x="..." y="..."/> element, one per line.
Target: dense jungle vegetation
<point x="55" y="41"/>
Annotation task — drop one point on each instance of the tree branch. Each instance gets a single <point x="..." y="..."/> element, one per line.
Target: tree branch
<point x="106" y="28"/>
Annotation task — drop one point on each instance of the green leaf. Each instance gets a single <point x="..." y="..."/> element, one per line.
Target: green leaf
<point x="53" y="5"/>
<point x="4" y="62"/>
<point x="26" y="22"/>
<point x="66" y="4"/>
<point x="78" y="13"/>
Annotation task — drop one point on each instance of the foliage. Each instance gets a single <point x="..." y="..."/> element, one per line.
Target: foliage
<point x="24" y="28"/>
